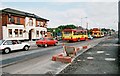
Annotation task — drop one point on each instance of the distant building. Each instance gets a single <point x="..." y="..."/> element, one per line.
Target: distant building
<point x="21" y="25"/>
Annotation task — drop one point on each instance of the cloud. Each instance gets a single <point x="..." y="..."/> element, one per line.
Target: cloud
<point x="59" y="0"/>
<point x="100" y="14"/>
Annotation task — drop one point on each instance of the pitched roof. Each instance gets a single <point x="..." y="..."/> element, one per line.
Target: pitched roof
<point x="17" y="12"/>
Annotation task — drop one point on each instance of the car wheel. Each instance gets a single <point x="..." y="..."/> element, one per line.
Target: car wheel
<point x="26" y="48"/>
<point x="56" y="44"/>
<point x="45" y="45"/>
<point x="6" y="51"/>
<point x="38" y="45"/>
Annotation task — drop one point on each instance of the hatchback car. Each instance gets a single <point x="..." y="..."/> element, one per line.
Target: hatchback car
<point x="7" y="46"/>
<point x="46" y="41"/>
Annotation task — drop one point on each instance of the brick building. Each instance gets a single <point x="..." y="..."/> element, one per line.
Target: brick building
<point x="21" y="25"/>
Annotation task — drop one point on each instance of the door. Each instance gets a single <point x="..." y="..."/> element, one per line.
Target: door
<point x="16" y="45"/>
<point x="30" y="34"/>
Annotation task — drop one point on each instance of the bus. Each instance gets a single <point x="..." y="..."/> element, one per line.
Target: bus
<point x="74" y="35"/>
<point x="97" y="33"/>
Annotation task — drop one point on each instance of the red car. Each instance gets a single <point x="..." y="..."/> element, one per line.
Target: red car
<point x="46" y="41"/>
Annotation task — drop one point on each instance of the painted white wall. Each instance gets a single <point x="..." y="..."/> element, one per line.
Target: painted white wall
<point x="34" y="22"/>
<point x="13" y="27"/>
<point x="4" y="32"/>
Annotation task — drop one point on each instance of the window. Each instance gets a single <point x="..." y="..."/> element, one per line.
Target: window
<point x="18" y="20"/>
<point x="9" y="42"/>
<point x="67" y="32"/>
<point x="42" y="38"/>
<point x="21" y="33"/>
<point x="38" y="23"/>
<point x="10" y="32"/>
<point x="14" y="42"/>
<point x="12" y="20"/>
<point x="79" y="33"/>
<point x="16" y="32"/>
<point x="31" y="22"/>
<point x="75" y="33"/>
<point x="41" y="24"/>
<point x="37" y="33"/>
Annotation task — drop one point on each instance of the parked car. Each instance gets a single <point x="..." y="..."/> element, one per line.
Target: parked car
<point x="6" y="46"/>
<point x="46" y="41"/>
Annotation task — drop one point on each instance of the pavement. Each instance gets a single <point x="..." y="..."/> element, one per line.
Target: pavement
<point x="101" y="59"/>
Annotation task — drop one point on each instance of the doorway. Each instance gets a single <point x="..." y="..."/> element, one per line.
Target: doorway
<point x="30" y="34"/>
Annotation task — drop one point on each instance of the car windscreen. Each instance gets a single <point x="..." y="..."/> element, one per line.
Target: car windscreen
<point x="1" y="41"/>
<point x="41" y="39"/>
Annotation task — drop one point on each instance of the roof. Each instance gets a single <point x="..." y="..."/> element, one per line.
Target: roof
<point x="17" y="12"/>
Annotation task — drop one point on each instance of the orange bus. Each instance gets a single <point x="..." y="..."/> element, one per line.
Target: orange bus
<point x="74" y="35"/>
<point x="97" y="33"/>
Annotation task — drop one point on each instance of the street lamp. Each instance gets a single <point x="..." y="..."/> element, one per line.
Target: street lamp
<point x="86" y="22"/>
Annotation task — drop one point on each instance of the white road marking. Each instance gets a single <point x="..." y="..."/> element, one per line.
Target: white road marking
<point x="90" y="58"/>
<point x="99" y="52"/>
<point x="110" y="59"/>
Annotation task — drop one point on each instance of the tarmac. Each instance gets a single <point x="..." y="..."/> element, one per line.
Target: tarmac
<point x="103" y="58"/>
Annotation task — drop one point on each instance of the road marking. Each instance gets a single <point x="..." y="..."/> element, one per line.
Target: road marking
<point x="107" y="54"/>
<point x="90" y="58"/>
<point x="110" y="59"/>
<point x="99" y="52"/>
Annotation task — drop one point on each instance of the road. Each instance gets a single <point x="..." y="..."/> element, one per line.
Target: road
<point x="42" y="63"/>
<point x="101" y="59"/>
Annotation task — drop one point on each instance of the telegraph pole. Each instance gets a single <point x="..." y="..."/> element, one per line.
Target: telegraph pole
<point x="119" y="22"/>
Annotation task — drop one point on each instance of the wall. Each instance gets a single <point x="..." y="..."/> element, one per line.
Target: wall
<point x="1" y="36"/>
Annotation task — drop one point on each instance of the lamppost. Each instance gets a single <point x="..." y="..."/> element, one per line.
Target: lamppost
<point x="86" y="22"/>
<point x="119" y="22"/>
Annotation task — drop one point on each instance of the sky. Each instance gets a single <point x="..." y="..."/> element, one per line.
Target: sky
<point x="97" y="13"/>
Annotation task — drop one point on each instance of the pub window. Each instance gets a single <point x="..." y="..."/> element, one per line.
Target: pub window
<point x="38" y="23"/>
<point x="12" y="20"/>
<point x="37" y="33"/>
<point x="41" y="24"/>
<point x="31" y="22"/>
<point x="18" y="20"/>
<point x="16" y="32"/>
<point x="21" y="33"/>
<point x="10" y="32"/>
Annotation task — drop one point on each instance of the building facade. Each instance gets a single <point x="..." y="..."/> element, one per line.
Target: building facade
<point x="21" y="25"/>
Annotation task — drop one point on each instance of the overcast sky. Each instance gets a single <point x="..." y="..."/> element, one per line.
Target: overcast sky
<point x="99" y="14"/>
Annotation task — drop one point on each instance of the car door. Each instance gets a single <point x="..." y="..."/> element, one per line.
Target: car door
<point x="52" y="41"/>
<point x="16" y="45"/>
<point x="20" y="45"/>
<point x="49" y="42"/>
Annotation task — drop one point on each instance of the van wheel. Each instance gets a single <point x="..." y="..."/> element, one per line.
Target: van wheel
<point x="26" y="48"/>
<point x="6" y="51"/>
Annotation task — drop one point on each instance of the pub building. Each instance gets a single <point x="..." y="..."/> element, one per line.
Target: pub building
<point x="15" y="24"/>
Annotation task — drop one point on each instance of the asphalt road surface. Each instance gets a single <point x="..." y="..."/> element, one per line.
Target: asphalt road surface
<point x="42" y="63"/>
<point x="101" y="59"/>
